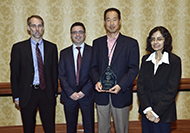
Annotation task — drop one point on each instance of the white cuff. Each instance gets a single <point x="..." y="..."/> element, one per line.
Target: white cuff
<point x="16" y="99"/>
<point x="147" y="109"/>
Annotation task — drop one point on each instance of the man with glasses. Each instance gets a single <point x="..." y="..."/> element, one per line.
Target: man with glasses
<point x="34" y="77"/>
<point x="77" y="89"/>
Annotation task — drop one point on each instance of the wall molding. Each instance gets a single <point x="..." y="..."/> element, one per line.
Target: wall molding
<point x="5" y="87"/>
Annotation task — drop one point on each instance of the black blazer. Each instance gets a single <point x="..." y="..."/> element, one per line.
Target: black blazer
<point x="67" y="74"/>
<point x="161" y="88"/>
<point x="125" y="64"/>
<point x="22" y="71"/>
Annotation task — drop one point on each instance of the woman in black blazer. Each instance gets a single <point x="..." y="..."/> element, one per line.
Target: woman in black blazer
<point x="158" y="81"/>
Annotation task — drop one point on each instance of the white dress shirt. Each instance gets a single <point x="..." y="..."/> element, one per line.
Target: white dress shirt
<point x="75" y="54"/>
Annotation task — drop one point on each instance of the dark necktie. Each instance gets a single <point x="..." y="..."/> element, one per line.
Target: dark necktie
<point x="40" y="68"/>
<point x="78" y="65"/>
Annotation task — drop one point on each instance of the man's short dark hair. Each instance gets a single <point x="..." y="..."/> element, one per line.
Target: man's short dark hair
<point x="34" y="16"/>
<point x="112" y="9"/>
<point x="78" y="24"/>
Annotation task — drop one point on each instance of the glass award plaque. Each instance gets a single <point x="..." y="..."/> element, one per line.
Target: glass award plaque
<point x="108" y="79"/>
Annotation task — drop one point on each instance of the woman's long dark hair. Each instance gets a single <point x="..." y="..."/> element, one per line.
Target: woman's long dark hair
<point x="167" y="39"/>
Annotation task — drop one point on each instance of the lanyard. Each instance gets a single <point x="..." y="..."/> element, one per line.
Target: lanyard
<point x="111" y="51"/>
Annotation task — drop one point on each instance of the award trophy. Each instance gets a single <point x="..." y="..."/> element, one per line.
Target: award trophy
<point x="108" y="79"/>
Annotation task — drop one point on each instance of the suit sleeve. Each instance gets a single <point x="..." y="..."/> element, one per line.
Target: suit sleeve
<point x="94" y="69"/>
<point x="55" y="70"/>
<point x="62" y="76"/>
<point x="172" y="88"/>
<point x="133" y="65"/>
<point x="141" y="93"/>
<point x="15" y="71"/>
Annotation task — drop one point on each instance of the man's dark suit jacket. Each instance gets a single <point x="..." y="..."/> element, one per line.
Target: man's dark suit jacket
<point x="67" y="74"/>
<point x="161" y="88"/>
<point x="22" y="71"/>
<point x="125" y="64"/>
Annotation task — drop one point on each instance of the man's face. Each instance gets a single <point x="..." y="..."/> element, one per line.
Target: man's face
<point x="78" y="35"/>
<point x="36" y="28"/>
<point x="112" y="22"/>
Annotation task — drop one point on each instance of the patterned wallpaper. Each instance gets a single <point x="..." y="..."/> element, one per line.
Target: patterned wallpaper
<point x="138" y="18"/>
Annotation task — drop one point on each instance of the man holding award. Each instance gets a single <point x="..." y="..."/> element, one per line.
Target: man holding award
<point x="114" y="67"/>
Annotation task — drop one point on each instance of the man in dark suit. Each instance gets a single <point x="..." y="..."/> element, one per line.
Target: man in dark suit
<point x="77" y="90"/>
<point x="34" y="77"/>
<point x="121" y="54"/>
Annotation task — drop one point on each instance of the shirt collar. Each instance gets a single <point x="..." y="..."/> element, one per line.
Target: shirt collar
<point x="165" y="58"/>
<point x="34" y="42"/>
<point x="82" y="46"/>
<point x="110" y="40"/>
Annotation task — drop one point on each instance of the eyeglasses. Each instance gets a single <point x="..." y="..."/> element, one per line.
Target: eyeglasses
<point x="35" y="26"/>
<point x="75" y="32"/>
<point x="159" y="39"/>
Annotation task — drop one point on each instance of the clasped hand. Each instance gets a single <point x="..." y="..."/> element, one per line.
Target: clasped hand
<point x="76" y="96"/>
<point x="151" y="117"/>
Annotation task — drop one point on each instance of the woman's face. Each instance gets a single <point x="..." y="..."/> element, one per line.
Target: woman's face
<point x="157" y="41"/>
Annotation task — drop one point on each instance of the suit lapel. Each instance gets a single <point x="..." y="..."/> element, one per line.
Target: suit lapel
<point x="28" y="50"/>
<point x="161" y="69"/>
<point x="118" y="48"/>
<point x="104" y="49"/>
<point x="46" y="51"/>
<point x="71" y="58"/>
<point x="150" y="68"/>
<point x="85" y="55"/>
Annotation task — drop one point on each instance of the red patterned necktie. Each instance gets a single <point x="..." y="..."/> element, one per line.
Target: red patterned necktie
<point x="78" y="65"/>
<point x="40" y="68"/>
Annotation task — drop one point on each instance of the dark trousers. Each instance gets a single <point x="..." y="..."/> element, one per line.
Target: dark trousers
<point x="71" y="109"/>
<point x="151" y="127"/>
<point x="39" y="100"/>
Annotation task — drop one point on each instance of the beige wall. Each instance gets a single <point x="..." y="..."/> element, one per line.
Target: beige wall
<point x="138" y="18"/>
